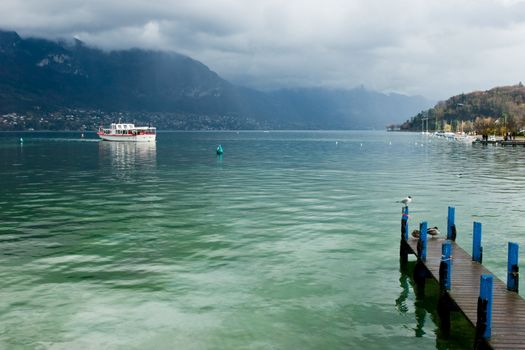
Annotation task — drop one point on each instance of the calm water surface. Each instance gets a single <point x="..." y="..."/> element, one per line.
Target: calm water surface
<point x="290" y="241"/>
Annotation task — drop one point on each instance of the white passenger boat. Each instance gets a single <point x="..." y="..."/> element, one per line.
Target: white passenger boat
<point x="128" y="132"/>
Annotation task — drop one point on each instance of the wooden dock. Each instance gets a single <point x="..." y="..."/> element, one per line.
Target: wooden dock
<point x="506" y="327"/>
<point x="513" y="143"/>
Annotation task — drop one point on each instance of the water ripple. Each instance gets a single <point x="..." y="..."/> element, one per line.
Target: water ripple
<point x="288" y="241"/>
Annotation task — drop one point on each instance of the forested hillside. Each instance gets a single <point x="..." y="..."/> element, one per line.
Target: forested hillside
<point x="495" y="111"/>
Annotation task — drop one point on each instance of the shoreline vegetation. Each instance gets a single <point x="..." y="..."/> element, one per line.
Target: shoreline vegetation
<point x="91" y="120"/>
<point x="499" y="111"/>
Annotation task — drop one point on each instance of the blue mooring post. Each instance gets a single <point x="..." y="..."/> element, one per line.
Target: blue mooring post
<point x="484" y="319"/>
<point x="451" y="226"/>
<point x="404" y="224"/>
<point x="422" y="243"/>
<point x="420" y="271"/>
<point x="403" y="249"/>
<point x="513" y="278"/>
<point x="477" y="249"/>
<point x="445" y="267"/>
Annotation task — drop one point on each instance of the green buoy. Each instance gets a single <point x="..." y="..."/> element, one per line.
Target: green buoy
<point x="220" y="150"/>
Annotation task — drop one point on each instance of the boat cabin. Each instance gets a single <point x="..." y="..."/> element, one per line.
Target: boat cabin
<point x="129" y="129"/>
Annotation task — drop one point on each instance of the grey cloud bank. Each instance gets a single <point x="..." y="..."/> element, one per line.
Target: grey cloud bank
<point x="432" y="48"/>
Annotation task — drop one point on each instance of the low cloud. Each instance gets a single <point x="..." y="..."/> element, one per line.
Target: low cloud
<point x="433" y="48"/>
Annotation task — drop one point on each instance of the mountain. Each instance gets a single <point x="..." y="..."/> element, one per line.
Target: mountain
<point x="348" y="109"/>
<point x="495" y="111"/>
<point x="44" y="79"/>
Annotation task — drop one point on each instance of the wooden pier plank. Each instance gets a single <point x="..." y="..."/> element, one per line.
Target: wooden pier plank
<point x="508" y="312"/>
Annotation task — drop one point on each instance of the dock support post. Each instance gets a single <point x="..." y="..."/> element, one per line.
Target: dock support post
<point x="451" y="226"/>
<point x="422" y="242"/>
<point x="445" y="267"/>
<point x="445" y="271"/>
<point x="513" y="278"/>
<point x="404" y="223"/>
<point x="420" y="274"/>
<point x="420" y="271"/>
<point x="484" y="318"/>
<point x="477" y="249"/>
<point x="403" y="249"/>
<point x="444" y="308"/>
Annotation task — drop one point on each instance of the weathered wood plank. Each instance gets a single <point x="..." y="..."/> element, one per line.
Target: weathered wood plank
<point x="508" y="311"/>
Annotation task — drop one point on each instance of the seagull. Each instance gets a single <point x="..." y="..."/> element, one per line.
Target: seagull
<point x="406" y="201"/>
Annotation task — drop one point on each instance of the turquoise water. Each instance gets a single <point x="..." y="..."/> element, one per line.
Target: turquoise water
<point x="289" y="241"/>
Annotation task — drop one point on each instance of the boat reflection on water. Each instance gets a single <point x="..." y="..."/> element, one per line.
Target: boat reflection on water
<point x="128" y="155"/>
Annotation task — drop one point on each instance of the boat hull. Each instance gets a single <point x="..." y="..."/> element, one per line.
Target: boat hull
<point x="128" y="138"/>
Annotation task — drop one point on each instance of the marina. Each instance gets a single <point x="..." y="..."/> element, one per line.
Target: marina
<point x="458" y="137"/>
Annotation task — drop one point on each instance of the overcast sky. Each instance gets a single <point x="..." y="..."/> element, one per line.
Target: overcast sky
<point x="434" y="48"/>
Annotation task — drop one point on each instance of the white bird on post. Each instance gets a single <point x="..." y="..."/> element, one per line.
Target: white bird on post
<point x="406" y="201"/>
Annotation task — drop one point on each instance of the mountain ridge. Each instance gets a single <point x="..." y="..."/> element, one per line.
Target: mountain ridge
<point x="38" y="76"/>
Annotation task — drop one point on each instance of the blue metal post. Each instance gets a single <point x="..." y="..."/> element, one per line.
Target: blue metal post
<point x="484" y="321"/>
<point x="451" y="222"/>
<point x="403" y="245"/>
<point x="404" y="223"/>
<point x="423" y="240"/>
<point x="477" y="249"/>
<point x="445" y="268"/>
<point x="512" y="267"/>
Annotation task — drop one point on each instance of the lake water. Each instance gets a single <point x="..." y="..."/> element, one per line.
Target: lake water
<point x="290" y="241"/>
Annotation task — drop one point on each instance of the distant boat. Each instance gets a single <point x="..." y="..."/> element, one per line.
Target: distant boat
<point x="458" y="137"/>
<point x="465" y="138"/>
<point x="444" y="135"/>
<point x="128" y="132"/>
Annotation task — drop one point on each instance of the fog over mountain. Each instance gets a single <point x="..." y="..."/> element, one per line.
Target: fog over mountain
<point x="45" y="76"/>
<point x="433" y="48"/>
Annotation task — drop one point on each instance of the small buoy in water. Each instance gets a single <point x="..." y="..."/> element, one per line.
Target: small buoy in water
<point x="336" y="143"/>
<point x="82" y="135"/>
<point x="361" y="145"/>
<point x="390" y="143"/>
<point x="21" y="140"/>
<point x="220" y="150"/>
